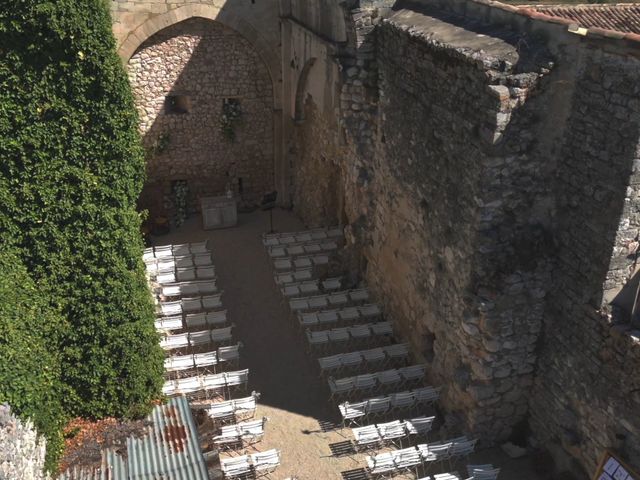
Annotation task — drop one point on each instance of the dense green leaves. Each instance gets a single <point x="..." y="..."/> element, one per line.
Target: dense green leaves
<point x="29" y="361"/>
<point x="71" y="169"/>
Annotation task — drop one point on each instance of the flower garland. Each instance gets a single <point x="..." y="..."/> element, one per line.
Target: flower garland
<point x="230" y="118"/>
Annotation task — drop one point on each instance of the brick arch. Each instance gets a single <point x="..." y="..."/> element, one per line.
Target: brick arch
<point x="153" y="25"/>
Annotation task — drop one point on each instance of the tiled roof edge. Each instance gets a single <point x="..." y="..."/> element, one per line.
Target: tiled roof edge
<point x="530" y="12"/>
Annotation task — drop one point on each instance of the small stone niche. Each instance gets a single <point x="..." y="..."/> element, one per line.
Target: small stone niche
<point x="177" y="104"/>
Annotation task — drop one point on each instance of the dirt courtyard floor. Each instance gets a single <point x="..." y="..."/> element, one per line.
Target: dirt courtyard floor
<point x="293" y="397"/>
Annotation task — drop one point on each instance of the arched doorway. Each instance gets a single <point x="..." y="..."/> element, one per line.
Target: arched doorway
<point x="205" y="99"/>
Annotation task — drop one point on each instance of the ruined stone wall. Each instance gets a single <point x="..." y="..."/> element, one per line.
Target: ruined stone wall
<point x="587" y="392"/>
<point x="208" y="63"/>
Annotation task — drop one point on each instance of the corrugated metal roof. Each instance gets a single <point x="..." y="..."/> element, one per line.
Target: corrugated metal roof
<point x="170" y="450"/>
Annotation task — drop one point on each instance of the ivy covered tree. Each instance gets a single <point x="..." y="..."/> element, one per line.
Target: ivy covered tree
<point x="71" y="169"/>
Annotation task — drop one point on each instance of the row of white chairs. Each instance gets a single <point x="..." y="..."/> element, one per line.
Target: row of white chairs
<point x="292" y="276"/>
<point x="192" y="320"/>
<point x="382" y="434"/>
<point x="229" y="354"/>
<point x="164" y="251"/>
<point x="205" y="383"/>
<point x="240" y="434"/>
<point x="388" y="464"/>
<point x="379" y="355"/>
<point x="191" y="288"/>
<point x="345" y="315"/>
<point x="309" y="287"/>
<point x="190" y="305"/>
<point x="304" y="248"/>
<point x="166" y="264"/>
<point x="367" y="382"/>
<point x="319" y="302"/>
<point x="307" y="261"/>
<point x="285" y="238"/>
<point x="195" y="339"/>
<point x="344" y="335"/>
<point x="255" y="464"/>
<point x="238" y="408"/>
<point x="354" y="412"/>
<point x="187" y="274"/>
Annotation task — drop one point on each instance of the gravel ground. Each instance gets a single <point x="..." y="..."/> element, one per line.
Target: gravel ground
<point x="292" y="396"/>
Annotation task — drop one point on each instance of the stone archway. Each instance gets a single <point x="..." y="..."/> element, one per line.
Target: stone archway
<point x="187" y="79"/>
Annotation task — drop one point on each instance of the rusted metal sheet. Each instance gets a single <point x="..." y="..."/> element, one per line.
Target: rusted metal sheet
<point x="170" y="450"/>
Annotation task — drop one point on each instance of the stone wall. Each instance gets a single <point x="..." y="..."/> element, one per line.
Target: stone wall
<point x="207" y="63"/>
<point x="587" y="391"/>
<point x="491" y="196"/>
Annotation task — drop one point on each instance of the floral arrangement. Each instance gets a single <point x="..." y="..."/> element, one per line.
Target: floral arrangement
<point x="180" y="193"/>
<point x="230" y="118"/>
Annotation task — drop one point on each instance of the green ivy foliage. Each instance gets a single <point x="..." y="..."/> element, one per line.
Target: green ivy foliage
<point x="71" y="170"/>
<point x="29" y="360"/>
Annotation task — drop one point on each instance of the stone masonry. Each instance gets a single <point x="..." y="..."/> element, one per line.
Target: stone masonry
<point x="484" y="160"/>
<point x="207" y="63"/>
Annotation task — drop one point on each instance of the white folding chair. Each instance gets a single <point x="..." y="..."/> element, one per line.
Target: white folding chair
<point x="329" y="364"/>
<point x="369" y="311"/>
<point x="197" y="339"/>
<point x="341" y="386"/>
<point x="169" y="324"/>
<point x="327" y="316"/>
<point x="265" y="462"/>
<point x="222" y="335"/>
<point x="366" y="438"/>
<point x="317" y="340"/>
<point x="185" y="274"/>
<point x="308" y="319"/>
<point x="381" y="465"/>
<point x="351" y="412"/>
<point x="178" y="363"/>
<point x="169" y="309"/>
<point x="426" y="395"/>
<point x="199" y="247"/>
<point x="235" y="467"/>
<point x="397" y="351"/>
<point x="382" y="329"/>
<point x="337" y="298"/>
<point x="374" y="356"/>
<point x="402" y="401"/>
<point x="204" y="360"/>
<point x="366" y="382"/>
<point x="331" y="284"/>
<point x="388" y="378"/>
<point x="246" y="407"/>
<point x="230" y="354"/>
<point x="377" y="406"/>
<point x="419" y="426"/>
<point x="339" y="335"/>
<point x="351" y="360"/>
<point x="164" y="278"/>
<point x="359" y="295"/>
<point x="204" y="272"/>
<point x="221" y="410"/>
<point x="348" y="314"/>
<point x="173" y="342"/>
<point x="189" y="385"/>
<point x="412" y="373"/>
<point x="202" y="259"/>
<point x="392" y="433"/>
<point x="212" y="302"/>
